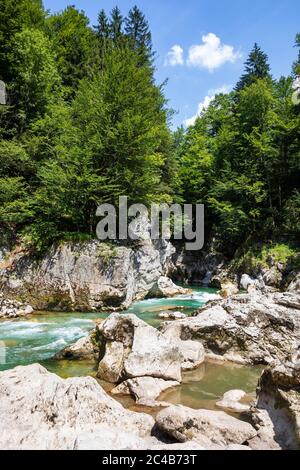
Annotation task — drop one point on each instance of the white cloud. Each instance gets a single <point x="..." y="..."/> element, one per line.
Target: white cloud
<point x="206" y="102"/>
<point x="211" y="54"/>
<point x="175" y="56"/>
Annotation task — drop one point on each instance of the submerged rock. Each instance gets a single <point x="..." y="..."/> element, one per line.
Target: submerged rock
<point x="205" y="427"/>
<point x="39" y="410"/>
<point x="84" y="348"/>
<point x="232" y="401"/>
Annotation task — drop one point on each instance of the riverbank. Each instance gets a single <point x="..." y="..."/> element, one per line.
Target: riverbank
<point x="244" y="317"/>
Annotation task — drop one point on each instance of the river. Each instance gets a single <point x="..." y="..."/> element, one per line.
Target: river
<point x="38" y="337"/>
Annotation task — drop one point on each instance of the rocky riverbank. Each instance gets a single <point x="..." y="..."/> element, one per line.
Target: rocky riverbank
<point x="42" y="411"/>
<point x="259" y="326"/>
<point x="13" y="308"/>
<point x="89" y="276"/>
<point x="253" y="328"/>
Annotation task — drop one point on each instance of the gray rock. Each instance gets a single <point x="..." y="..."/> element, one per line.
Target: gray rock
<point x="146" y="352"/>
<point x="294" y="285"/>
<point x="203" y="426"/>
<point x="164" y="287"/>
<point x="273" y="277"/>
<point x="13" y="309"/>
<point x="245" y="328"/>
<point x="89" y="276"/>
<point x="232" y="401"/>
<point x="266" y="433"/>
<point x="111" y="365"/>
<point x="228" y="289"/>
<point x="145" y="390"/>
<point x="171" y="315"/>
<point x="250" y="284"/>
<point x="84" y="348"/>
<point x="277" y="411"/>
<point x="39" y="410"/>
<point x="192" y="352"/>
<point x="199" y="266"/>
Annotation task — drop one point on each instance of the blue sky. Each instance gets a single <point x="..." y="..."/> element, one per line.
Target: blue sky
<point x="212" y="40"/>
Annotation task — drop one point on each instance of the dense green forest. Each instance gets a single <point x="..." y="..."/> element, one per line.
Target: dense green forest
<point x="85" y="122"/>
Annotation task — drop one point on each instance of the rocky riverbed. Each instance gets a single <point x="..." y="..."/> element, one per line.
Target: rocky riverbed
<point x="146" y="364"/>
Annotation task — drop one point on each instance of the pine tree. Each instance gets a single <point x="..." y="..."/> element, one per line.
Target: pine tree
<point x="256" y="66"/>
<point x="116" y="24"/>
<point x="103" y="36"/>
<point x="138" y="32"/>
<point x="102" y="27"/>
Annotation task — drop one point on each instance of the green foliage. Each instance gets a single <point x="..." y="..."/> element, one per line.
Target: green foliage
<point x="296" y="66"/>
<point x="106" y="252"/>
<point x="85" y="123"/>
<point x="241" y="159"/>
<point x="266" y="256"/>
<point x="14" y="17"/>
<point x="14" y="159"/>
<point x="14" y="207"/>
<point x="74" y="44"/>
<point x="36" y="79"/>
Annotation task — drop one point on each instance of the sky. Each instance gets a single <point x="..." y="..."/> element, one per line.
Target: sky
<point x="201" y="45"/>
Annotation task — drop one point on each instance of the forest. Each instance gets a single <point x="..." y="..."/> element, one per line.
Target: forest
<point x="85" y="122"/>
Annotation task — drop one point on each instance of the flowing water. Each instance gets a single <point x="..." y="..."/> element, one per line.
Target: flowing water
<point x="38" y="337"/>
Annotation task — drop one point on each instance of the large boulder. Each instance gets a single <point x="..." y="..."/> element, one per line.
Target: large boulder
<point x="192" y="352"/>
<point x="84" y="348"/>
<point x="203" y="426"/>
<point x="164" y="287"/>
<point x="39" y="410"/>
<point x="255" y="329"/>
<point x="88" y="276"/>
<point x="111" y="366"/>
<point x="277" y="411"/>
<point x="134" y="349"/>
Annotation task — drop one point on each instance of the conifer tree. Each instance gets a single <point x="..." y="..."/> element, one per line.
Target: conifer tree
<point x="116" y="24"/>
<point x="256" y="67"/>
<point x="138" y="32"/>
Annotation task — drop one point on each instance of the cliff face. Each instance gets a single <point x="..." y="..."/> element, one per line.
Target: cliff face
<point x="89" y="276"/>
